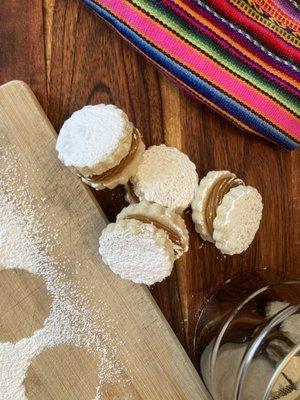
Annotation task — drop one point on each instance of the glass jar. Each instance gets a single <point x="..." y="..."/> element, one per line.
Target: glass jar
<point x="247" y="340"/>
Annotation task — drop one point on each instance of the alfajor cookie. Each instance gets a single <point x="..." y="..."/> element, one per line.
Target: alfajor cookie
<point x="226" y="211"/>
<point x="144" y="242"/>
<point x="165" y="176"/>
<point x="100" y="145"/>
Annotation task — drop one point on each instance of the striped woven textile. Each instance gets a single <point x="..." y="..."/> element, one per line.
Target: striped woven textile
<point x="240" y="57"/>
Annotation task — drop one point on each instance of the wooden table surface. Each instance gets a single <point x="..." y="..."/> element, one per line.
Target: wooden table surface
<point x="71" y="58"/>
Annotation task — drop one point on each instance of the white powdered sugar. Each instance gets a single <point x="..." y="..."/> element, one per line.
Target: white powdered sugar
<point x="177" y="175"/>
<point x="148" y="251"/>
<point x="238" y="214"/>
<point x="91" y="136"/>
<point x="200" y="200"/>
<point x="237" y="220"/>
<point x="27" y="243"/>
<point x="164" y="216"/>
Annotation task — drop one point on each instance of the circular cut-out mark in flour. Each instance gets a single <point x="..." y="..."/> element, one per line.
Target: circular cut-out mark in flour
<point x="24" y="304"/>
<point x="63" y="372"/>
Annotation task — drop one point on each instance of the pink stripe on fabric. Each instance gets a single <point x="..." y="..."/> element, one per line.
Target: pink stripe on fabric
<point x="203" y="65"/>
<point x="284" y="9"/>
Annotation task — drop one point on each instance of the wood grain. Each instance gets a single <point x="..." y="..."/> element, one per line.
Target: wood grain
<point x="155" y="365"/>
<point x="24" y="304"/>
<point x="22" y="45"/>
<point x="89" y="63"/>
<point x="76" y="365"/>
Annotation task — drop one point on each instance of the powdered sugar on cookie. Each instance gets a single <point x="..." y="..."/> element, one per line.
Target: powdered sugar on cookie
<point x="95" y="138"/>
<point x="165" y="217"/>
<point x="226" y="212"/>
<point x="237" y="221"/>
<point x="137" y="251"/>
<point x="166" y="176"/>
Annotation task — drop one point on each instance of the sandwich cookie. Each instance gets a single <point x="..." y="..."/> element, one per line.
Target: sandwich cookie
<point x="165" y="176"/>
<point x="144" y="242"/>
<point x="100" y="145"/>
<point x="226" y="212"/>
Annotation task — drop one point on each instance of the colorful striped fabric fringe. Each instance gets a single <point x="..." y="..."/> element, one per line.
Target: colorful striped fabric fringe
<point x="240" y="57"/>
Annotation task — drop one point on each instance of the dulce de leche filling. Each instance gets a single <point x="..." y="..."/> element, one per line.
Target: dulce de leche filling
<point x="112" y="172"/>
<point x="215" y="197"/>
<point x="174" y="236"/>
<point x="131" y="192"/>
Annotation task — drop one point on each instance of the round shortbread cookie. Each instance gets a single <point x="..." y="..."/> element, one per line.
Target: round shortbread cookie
<point x="95" y="139"/>
<point x="200" y="199"/>
<point x="164" y="216"/>
<point x="137" y="251"/>
<point x="166" y="176"/>
<point x="125" y="174"/>
<point x="237" y="220"/>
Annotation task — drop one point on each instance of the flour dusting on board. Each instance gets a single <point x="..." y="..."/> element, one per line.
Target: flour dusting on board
<point x="26" y="243"/>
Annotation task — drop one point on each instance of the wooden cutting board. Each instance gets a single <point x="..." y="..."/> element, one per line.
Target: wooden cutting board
<point x="155" y="364"/>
